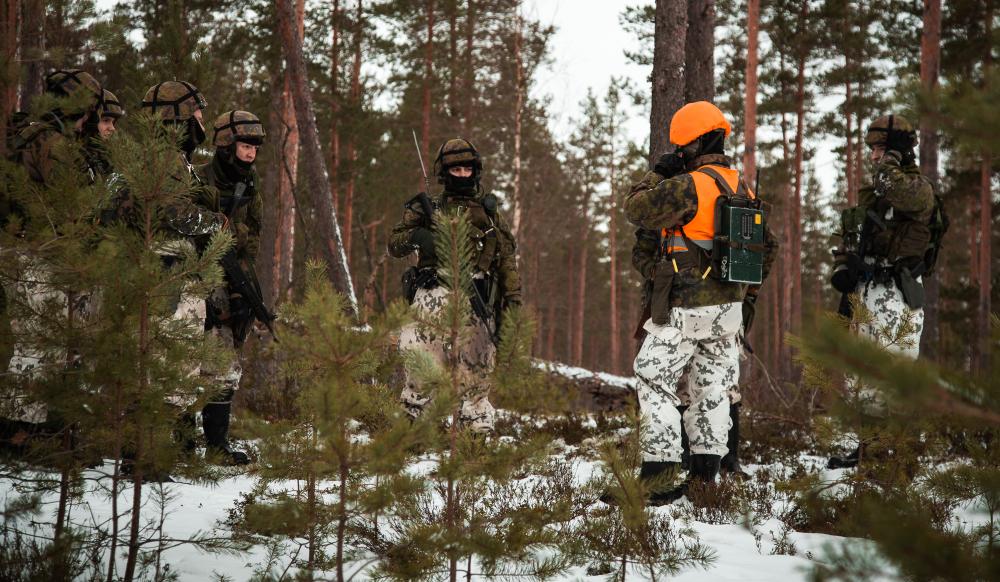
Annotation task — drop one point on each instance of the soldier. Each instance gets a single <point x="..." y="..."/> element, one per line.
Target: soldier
<point x="695" y="308"/>
<point x="889" y="242"/>
<point x="645" y="254"/>
<point x="232" y="182"/>
<point x="459" y="169"/>
<point x="44" y="147"/>
<point x="188" y="225"/>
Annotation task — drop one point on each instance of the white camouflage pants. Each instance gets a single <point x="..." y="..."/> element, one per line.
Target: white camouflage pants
<point x="888" y="310"/>
<point x="704" y="340"/>
<point x="476" y="360"/>
<point x="226" y="380"/>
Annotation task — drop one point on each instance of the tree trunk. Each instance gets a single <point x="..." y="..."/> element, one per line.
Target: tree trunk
<point x="518" y="104"/>
<point x="33" y="51"/>
<point x="668" y="72"/>
<point x="267" y="257"/>
<point x="750" y="98"/>
<point x="325" y="223"/>
<point x="930" y="67"/>
<point x="985" y="259"/>
<point x="470" y="68"/>
<point x="352" y="150"/>
<point x="852" y="187"/>
<point x="425" y="127"/>
<point x="284" y="248"/>
<point x="10" y="20"/>
<point x="335" y="25"/>
<point x="581" y="298"/>
<point x="613" y="252"/>
<point x="699" y="68"/>
<point x="795" y="249"/>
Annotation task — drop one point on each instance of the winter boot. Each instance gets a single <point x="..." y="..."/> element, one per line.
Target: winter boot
<point x="127" y="470"/>
<point x="651" y="470"/>
<point x="685" y="444"/>
<point x="184" y="433"/>
<point x="215" y="421"/>
<point x="845" y="462"/>
<point x="730" y="464"/>
<point x="704" y="468"/>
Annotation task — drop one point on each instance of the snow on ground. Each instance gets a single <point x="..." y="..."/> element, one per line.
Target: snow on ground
<point x="201" y="509"/>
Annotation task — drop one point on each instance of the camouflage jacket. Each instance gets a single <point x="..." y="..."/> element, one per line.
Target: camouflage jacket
<point x="493" y="240"/>
<point x="903" y="200"/>
<point x="656" y="203"/>
<point x="217" y="196"/>
<point x="183" y="218"/>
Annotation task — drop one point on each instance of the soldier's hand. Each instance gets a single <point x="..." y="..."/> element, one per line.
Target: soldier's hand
<point x="669" y="165"/>
<point x="422" y="239"/>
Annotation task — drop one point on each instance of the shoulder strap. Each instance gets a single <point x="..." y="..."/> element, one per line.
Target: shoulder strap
<point x="741" y="189"/>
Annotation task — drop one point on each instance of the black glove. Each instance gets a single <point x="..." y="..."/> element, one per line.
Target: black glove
<point x="669" y="165"/>
<point x="423" y="240"/>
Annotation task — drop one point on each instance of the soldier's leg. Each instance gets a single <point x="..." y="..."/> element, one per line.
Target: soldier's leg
<point x="658" y="367"/>
<point x="714" y="368"/>
<point x="418" y="338"/>
<point x="477" y="360"/>
<point x="902" y="326"/>
<point x="684" y="394"/>
<point x="215" y="416"/>
<point x="731" y="461"/>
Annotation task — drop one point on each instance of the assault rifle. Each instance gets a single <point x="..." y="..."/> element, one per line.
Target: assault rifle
<point x="249" y="289"/>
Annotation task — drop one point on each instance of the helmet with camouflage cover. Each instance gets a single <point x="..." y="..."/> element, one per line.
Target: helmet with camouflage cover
<point x="65" y="82"/>
<point x="885" y="129"/>
<point x="71" y="82"/>
<point x="457" y="152"/>
<point x="174" y="101"/>
<point x="234" y="126"/>
<point x="110" y="106"/>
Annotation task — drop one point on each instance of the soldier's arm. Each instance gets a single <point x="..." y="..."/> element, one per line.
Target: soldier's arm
<point x="510" y="279"/>
<point x="644" y="251"/>
<point x="399" y="239"/>
<point x="655" y="203"/>
<point x="908" y="192"/>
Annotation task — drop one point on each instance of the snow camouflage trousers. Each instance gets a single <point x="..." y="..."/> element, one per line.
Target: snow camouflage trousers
<point x="888" y="310"/>
<point x="225" y="380"/>
<point x="476" y="361"/>
<point x="704" y="341"/>
<point x="30" y="359"/>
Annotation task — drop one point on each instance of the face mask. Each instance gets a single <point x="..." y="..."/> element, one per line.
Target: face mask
<point x="457" y="185"/>
<point x="194" y="136"/>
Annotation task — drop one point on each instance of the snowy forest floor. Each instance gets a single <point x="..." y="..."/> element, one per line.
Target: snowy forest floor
<point x="756" y="549"/>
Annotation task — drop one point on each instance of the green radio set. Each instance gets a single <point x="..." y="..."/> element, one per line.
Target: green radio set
<point x="738" y="247"/>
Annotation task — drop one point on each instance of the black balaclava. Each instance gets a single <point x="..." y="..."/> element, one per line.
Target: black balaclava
<point x="234" y="168"/>
<point x="461" y="186"/>
<point x="194" y="136"/>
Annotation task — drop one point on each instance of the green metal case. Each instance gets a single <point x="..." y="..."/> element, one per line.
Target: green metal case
<point x="742" y="234"/>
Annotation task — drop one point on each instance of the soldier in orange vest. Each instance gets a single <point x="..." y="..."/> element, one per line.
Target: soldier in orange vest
<point x="696" y="312"/>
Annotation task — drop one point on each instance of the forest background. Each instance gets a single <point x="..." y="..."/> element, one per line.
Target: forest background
<point x="789" y="74"/>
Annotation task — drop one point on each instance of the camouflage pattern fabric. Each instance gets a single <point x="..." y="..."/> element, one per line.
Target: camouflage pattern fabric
<point x="224" y="381"/>
<point x="246" y="221"/>
<point x="476" y="359"/>
<point x="491" y="237"/>
<point x="190" y="311"/>
<point x="905" y="198"/>
<point x="703" y="340"/>
<point x="656" y="203"/>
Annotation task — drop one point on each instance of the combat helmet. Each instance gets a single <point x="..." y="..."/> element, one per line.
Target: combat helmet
<point x="888" y="129"/>
<point x="70" y="82"/>
<point x="110" y="106"/>
<point x="174" y="101"/>
<point x="458" y="152"/>
<point x="234" y="126"/>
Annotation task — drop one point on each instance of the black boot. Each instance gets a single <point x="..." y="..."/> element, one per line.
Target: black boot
<point x="845" y="462"/>
<point x="652" y="470"/>
<point x="704" y="467"/>
<point x="215" y="421"/>
<point x="730" y="464"/>
<point x="685" y="444"/>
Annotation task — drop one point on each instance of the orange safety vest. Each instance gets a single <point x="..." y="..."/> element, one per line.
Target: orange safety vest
<point x="701" y="229"/>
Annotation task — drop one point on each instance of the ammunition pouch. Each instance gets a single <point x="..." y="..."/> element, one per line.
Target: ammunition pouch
<point x="418" y="278"/>
<point x="665" y="278"/>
